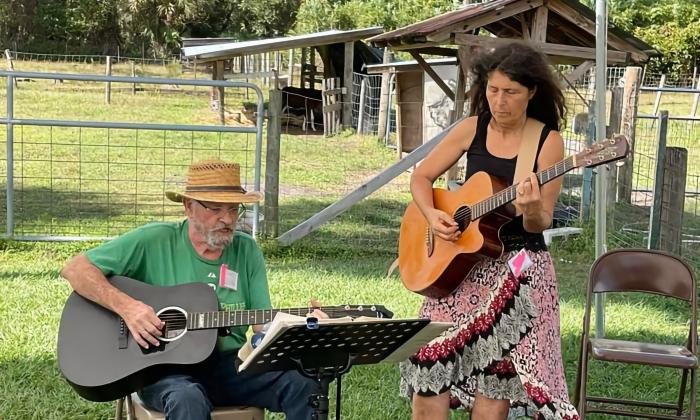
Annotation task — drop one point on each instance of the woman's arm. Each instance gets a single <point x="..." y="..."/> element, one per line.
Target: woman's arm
<point x="441" y="158"/>
<point x="537" y="202"/>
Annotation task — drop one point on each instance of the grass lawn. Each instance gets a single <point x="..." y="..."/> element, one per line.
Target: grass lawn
<point x="344" y="262"/>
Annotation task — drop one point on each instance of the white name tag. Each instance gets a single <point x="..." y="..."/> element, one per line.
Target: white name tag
<point x="228" y="278"/>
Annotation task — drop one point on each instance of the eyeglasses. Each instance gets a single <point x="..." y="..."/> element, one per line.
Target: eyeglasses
<point x="236" y="212"/>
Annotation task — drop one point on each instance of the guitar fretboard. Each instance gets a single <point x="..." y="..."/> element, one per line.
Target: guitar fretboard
<point x="223" y="319"/>
<point x="507" y="195"/>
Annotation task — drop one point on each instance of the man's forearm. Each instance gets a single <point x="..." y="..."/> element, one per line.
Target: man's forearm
<point x="89" y="282"/>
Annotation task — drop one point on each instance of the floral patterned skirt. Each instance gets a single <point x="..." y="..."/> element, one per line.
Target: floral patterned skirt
<point x="505" y="343"/>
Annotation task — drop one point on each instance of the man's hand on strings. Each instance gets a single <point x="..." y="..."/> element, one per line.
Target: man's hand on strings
<point x="143" y="323"/>
<point x="315" y="310"/>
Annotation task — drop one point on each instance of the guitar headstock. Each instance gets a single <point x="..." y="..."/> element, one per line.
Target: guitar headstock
<point x="356" y="311"/>
<point x="608" y="150"/>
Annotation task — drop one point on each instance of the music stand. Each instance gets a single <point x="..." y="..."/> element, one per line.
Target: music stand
<point x="325" y="351"/>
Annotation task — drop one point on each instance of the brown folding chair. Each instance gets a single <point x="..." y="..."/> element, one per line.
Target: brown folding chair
<point x="647" y="271"/>
<point x="135" y="410"/>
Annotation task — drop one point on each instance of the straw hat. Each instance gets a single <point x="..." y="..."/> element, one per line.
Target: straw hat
<point x="216" y="181"/>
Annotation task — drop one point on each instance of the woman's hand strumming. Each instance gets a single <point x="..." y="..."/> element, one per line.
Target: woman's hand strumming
<point x="443" y="225"/>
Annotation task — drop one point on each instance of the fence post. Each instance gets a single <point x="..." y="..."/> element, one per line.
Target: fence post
<point x="272" y="164"/>
<point x="108" y="85"/>
<point x="627" y="127"/>
<point x="587" y="187"/>
<point x="347" y="84"/>
<point x="614" y="128"/>
<point x="657" y="101"/>
<point x="655" y="216"/>
<point x="361" y="110"/>
<point x="10" y="158"/>
<point x="10" y="64"/>
<point x="290" y="69"/>
<point x="675" y="171"/>
<point x="133" y="74"/>
<point x="384" y="97"/>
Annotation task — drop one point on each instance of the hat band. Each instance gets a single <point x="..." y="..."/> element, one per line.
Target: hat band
<point x="215" y="188"/>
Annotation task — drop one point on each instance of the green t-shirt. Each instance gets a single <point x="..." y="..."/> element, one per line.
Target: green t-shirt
<point x="162" y="254"/>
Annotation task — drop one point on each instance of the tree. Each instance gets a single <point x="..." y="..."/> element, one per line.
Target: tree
<point x="317" y="15"/>
<point x="670" y="26"/>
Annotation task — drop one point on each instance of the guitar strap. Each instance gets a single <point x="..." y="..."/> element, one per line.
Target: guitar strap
<point x="528" y="150"/>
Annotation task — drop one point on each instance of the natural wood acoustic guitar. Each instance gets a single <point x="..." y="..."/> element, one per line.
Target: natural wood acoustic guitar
<point x="434" y="267"/>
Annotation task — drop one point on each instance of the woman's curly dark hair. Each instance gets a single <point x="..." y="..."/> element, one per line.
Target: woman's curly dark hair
<point x="527" y="66"/>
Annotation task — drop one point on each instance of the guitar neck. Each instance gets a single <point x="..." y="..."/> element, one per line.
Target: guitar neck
<point x="507" y="195"/>
<point x="223" y="319"/>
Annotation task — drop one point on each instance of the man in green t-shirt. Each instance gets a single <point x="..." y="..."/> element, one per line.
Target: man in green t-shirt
<point x="204" y="248"/>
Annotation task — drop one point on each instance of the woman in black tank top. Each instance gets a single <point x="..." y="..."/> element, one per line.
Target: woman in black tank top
<point x="503" y="357"/>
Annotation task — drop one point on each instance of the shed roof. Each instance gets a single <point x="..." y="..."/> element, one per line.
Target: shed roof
<point x="569" y="23"/>
<point x="235" y="49"/>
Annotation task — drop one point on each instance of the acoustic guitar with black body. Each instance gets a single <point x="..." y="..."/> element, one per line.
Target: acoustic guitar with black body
<point x="102" y="362"/>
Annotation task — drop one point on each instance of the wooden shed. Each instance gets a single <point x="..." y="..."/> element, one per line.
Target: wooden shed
<point x="562" y="29"/>
<point x="321" y="42"/>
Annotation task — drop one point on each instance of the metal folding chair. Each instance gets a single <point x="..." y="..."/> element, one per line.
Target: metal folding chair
<point x="646" y="271"/>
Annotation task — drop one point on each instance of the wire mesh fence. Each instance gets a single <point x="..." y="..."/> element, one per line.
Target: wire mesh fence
<point x="89" y="169"/>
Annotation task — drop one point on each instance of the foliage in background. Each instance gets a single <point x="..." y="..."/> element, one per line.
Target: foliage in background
<point x="156" y="27"/>
<point x="670" y="26"/>
<point x="317" y="15"/>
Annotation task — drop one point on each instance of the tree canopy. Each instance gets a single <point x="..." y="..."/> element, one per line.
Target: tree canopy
<point x="156" y="27"/>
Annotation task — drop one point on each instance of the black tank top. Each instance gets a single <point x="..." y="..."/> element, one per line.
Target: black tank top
<point x="513" y="234"/>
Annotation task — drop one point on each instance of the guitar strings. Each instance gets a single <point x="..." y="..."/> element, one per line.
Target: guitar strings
<point x="485" y="206"/>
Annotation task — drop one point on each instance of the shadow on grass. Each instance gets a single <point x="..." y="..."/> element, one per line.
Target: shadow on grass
<point x="369" y="228"/>
<point x="43" y="211"/>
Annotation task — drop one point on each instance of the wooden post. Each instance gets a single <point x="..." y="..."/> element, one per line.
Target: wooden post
<point x="217" y="93"/>
<point x="312" y="68"/>
<point x="675" y="172"/>
<point x="108" y="85"/>
<point x="290" y="68"/>
<point x="539" y="25"/>
<point x="657" y="101"/>
<point x="630" y="99"/>
<point x="361" y="110"/>
<point x="612" y="129"/>
<point x="655" y="216"/>
<point x="347" y="84"/>
<point x="10" y="64"/>
<point x="272" y="164"/>
<point x="133" y="74"/>
<point x="458" y="106"/>
<point x="384" y="96"/>
<point x="302" y="82"/>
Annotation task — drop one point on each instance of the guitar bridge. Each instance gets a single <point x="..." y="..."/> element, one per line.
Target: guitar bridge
<point x="123" y="339"/>
<point x="429" y="241"/>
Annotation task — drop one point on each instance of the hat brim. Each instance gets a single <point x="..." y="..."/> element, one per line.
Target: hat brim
<point x="217" y="197"/>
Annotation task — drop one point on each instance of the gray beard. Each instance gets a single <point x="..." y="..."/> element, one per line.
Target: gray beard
<point x="215" y="240"/>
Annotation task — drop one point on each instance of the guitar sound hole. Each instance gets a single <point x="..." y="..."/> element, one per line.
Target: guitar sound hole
<point x="463" y="217"/>
<point x="175" y="323"/>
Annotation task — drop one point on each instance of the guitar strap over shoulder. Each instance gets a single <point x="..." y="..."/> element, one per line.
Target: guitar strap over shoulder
<point x="528" y="150"/>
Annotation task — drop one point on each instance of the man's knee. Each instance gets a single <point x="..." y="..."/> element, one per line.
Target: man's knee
<point x="301" y="385"/>
<point x="190" y="397"/>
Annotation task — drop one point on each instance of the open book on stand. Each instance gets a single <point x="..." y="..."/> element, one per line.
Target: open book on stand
<point x="370" y="340"/>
